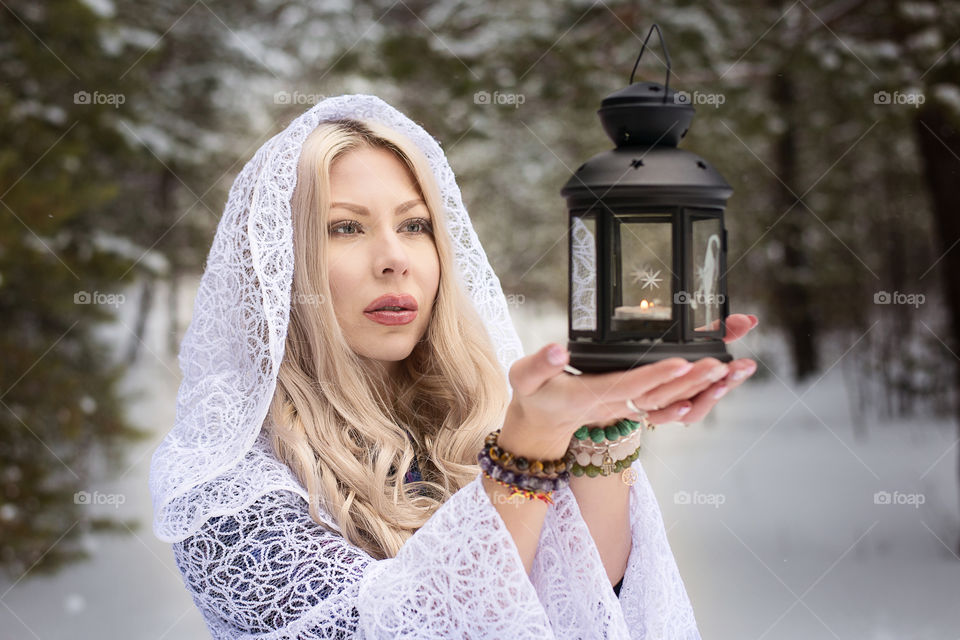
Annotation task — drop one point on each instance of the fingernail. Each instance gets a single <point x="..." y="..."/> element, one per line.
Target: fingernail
<point x="682" y="370"/>
<point x="556" y="355"/>
<point x="740" y="374"/>
<point x="718" y="393"/>
<point x="684" y="410"/>
<point x="753" y="319"/>
<point x="716" y="373"/>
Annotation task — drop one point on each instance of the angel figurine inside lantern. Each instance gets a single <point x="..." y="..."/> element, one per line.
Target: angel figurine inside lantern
<point x="647" y="240"/>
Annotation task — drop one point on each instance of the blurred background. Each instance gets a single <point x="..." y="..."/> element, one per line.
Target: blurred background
<point x="820" y="500"/>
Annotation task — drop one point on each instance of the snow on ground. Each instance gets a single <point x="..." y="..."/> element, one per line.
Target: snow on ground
<point x="770" y="504"/>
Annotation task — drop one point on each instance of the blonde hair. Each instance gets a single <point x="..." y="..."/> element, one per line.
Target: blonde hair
<point x="341" y="429"/>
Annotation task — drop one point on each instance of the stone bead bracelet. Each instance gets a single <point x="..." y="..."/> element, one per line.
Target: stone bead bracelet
<point x="523" y="481"/>
<point x="539" y="468"/>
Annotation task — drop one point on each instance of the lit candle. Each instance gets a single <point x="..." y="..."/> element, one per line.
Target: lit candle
<point x="646" y="310"/>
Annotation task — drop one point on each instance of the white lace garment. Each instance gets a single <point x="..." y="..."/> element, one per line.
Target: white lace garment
<point x="270" y="571"/>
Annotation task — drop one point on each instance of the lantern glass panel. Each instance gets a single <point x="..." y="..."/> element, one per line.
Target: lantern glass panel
<point x="642" y="274"/>
<point x="705" y="300"/>
<point x="583" y="273"/>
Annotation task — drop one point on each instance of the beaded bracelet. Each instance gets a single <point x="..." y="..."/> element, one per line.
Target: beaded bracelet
<point x="612" y="433"/>
<point x="605" y="450"/>
<point x="539" y="468"/>
<point x="607" y="467"/>
<point x="523" y="481"/>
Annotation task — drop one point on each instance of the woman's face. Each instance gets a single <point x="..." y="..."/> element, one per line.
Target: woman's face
<point x="380" y="243"/>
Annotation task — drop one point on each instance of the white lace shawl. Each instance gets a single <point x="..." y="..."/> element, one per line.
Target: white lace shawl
<point x="254" y="561"/>
<point x="269" y="571"/>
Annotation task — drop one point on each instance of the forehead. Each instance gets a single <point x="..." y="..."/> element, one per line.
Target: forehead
<point x="369" y="168"/>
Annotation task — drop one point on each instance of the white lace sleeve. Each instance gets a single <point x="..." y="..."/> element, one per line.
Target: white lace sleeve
<point x="269" y="571"/>
<point x="572" y="584"/>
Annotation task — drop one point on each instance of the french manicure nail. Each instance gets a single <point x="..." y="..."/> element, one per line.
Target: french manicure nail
<point x="682" y="370"/>
<point x="716" y="373"/>
<point x="556" y="355"/>
<point x="718" y="393"/>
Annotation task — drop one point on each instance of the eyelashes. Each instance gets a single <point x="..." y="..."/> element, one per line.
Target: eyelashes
<point x="347" y="224"/>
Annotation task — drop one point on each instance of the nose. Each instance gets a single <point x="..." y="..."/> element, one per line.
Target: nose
<point x="390" y="256"/>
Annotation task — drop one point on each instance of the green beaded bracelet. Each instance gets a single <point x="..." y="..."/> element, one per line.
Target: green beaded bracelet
<point x="611" y="433"/>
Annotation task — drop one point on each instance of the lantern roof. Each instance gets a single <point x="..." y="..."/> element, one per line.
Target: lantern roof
<point x="668" y="175"/>
<point x="646" y="113"/>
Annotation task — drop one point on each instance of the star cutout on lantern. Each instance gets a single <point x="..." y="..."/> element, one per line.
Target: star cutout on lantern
<point x="647" y="277"/>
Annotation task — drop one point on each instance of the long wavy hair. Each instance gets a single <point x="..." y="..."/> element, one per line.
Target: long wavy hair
<point x="349" y="435"/>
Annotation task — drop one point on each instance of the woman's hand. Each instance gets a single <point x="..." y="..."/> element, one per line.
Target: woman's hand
<point x="548" y="405"/>
<point x="693" y="407"/>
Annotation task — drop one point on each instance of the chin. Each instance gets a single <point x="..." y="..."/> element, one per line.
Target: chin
<point x="390" y="352"/>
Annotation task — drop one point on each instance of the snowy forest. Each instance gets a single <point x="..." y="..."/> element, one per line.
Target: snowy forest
<point x="837" y="122"/>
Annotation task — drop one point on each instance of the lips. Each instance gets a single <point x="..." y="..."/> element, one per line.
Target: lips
<point x="404" y="301"/>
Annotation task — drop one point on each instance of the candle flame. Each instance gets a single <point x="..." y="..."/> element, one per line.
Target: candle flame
<point x="644" y="304"/>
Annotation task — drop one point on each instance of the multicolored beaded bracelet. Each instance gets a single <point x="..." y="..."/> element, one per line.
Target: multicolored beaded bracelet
<point x="592" y="470"/>
<point x="539" y="468"/>
<point x="604" y="450"/>
<point x="522" y="481"/>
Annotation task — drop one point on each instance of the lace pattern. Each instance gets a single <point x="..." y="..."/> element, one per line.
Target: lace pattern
<point x="269" y="571"/>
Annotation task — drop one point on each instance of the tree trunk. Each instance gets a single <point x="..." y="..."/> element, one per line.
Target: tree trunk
<point x="792" y="296"/>
<point x="140" y="323"/>
<point x="938" y="140"/>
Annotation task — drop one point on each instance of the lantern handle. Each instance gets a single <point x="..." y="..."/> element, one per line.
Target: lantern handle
<point x="666" y="85"/>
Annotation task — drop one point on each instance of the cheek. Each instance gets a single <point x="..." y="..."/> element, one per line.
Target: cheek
<point x="342" y="282"/>
<point x="433" y="271"/>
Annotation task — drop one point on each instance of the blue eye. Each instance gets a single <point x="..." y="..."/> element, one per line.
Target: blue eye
<point x="423" y="222"/>
<point x="336" y="227"/>
<point x="340" y="225"/>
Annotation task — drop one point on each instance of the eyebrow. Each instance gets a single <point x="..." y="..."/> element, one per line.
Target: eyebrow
<point x="363" y="211"/>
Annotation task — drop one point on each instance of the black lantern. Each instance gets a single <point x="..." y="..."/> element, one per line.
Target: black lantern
<point x="647" y="244"/>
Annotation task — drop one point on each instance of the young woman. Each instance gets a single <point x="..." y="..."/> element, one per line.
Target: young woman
<point x="346" y="363"/>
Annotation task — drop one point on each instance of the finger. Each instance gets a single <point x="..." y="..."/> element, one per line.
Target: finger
<point x="673" y="413"/>
<point x="705" y="372"/>
<point x="740" y="370"/>
<point x="739" y="325"/>
<point x="620" y="386"/>
<point x="530" y="373"/>
<point x="704" y="401"/>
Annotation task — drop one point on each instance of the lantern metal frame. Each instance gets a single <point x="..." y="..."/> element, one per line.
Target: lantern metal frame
<point x="632" y="191"/>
